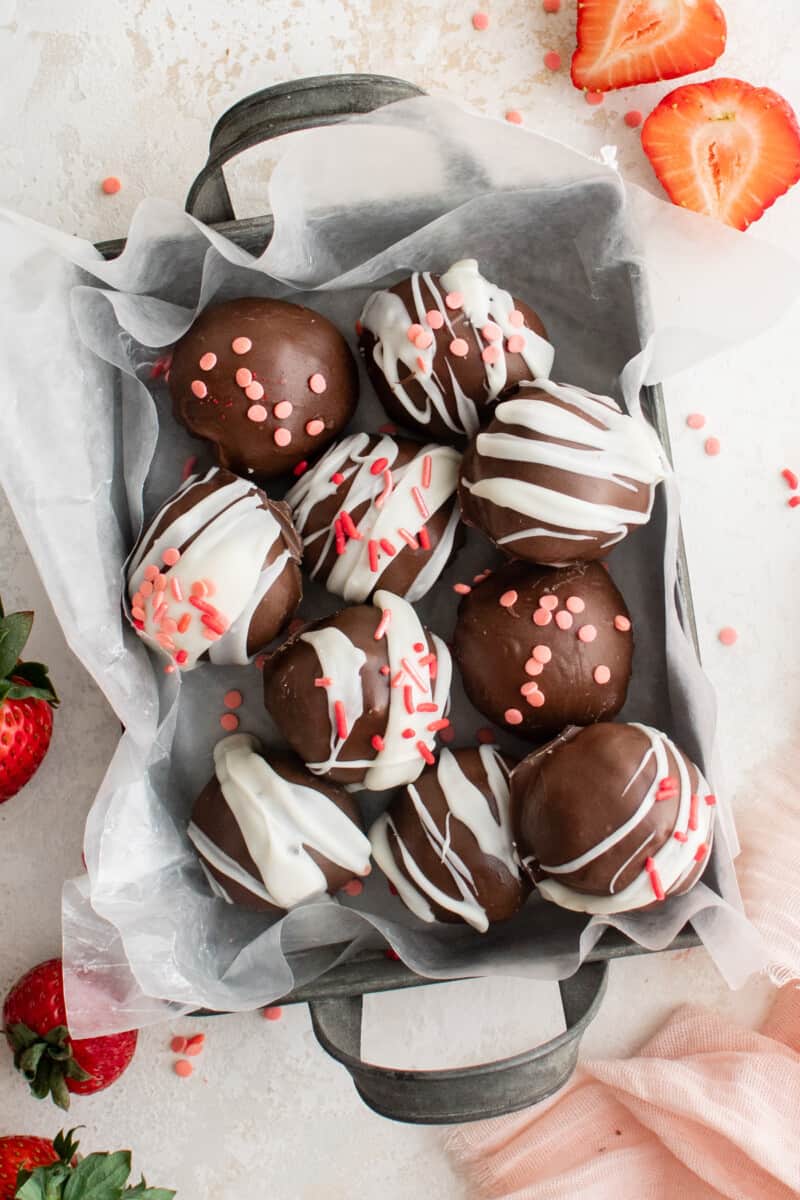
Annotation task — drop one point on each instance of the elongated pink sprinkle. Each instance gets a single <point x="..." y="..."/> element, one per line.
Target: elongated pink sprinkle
<point x="425" y="753"/>
<point x="388" y="485"/>
<point x="694" y="804"/>
<point x="350" y="527"/>
<point x="427" y="468"/>
<point x="408" y="538"/>
<point x="412" y="674"/>
<point x="408" y="698"/>
<point x="184" y="623"/>
<point x="420" y="503"/>
<point x="372" y="551"/>
<point x="435" y="726"/>
<point x="383" y="624"/>
<point x="175" y="588"/>
<point x="424" y="538"/>
<point x="463" y="589"/>
<point x="655" y="881"/>
<point x="323" y="681"/>
<point x="341" y="719"/>
<point x="388" y="547"/>
<point x="377" y="742"/>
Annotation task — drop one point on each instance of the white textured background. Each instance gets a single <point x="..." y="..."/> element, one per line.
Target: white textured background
<point x="132" y="88"/>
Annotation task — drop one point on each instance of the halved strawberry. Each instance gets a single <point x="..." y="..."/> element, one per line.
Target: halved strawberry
<point x="622" y="42"/>
<point x="724" y="148"/>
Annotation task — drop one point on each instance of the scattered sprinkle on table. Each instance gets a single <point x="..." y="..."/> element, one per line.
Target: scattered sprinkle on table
<point x="229" y="722"/>
<point x="793" y="501"/>
<point x="712" y="446"/>
<point x="551" y="6"/>
<point x="111" y="185"/>
<point x="480" y="21"/>
<point x="594" y="97"/>
<point x="272" y="1013"/>
<point x="234" y="699"/>
<point x="552" y="60"/>
<point x="790" y="477"/>
<point x="183" y="1068"/>
<point x="178" y="1045"/>
<point x="195" y="1045"/>
<point x="695" y="420"/>
<point x="728" y="635"/>
<point x="633" y="118"/>
<point x="514" y="116"/>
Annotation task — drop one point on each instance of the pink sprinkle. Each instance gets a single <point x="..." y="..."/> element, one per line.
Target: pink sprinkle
<point x="533" y="667"/>
<point x="542" y="617"/>
<point x="527" y="689"/>
<point x="208" y="362"/>
<point x="138" y="613"/>
<point x="552" y="60"/>
<point x="314" y="428"/>
<point x="790" y="477"/>
<point x="183" y="1068"/>
<point x="633" y="118"/>
<point x="454" y="299"/>
<point x="622" y="623"/>
<point x="728" y="635"/>
<point x="594" y="97"/>
<point x="491" y="332"/>
<point x="341" y="719"/>
<point x="549" y="602"/>
<point x="198" y="588"/>
<point x="513" y="716"/>
<point x="480" y="21"/>
<point x="695" y="420"/>
<point x="564" y="619"/>
<point x="587" y="633"/>
<point x="424" y="339"/>
<point x="542" y="654"/>
<point x="194" y="1046"/>
<point x="199" y="389"/>
<point x="318" y="383"/>
<point x="257" y="413"/>
<point x="516" y="343"/>
<point x="323" y="681"/>
<point x="388" y="485"/>
<point x="424" y="538"/>
<point x="575" y="604"/>
<point x="434" y="318"/>
<point x="160" y="583"/>
<point x="383" y="624"/>
<point x="535" y="699"/>
<point x="425" y="753"/>
<point x="491" y="354"/>
<point x="514" y="116"/>
<point x="254" y="390"/>
<point x="372" y="552"/>
<point x="171" y="556"/>
<point x="387" y="547"/>
<point x="551" y="6"/>
<point x="111" y="185"/>
<point x="150" y="573"/>
<point x="184" y="623"/>
<point x="188" y="467"/>
<point x="508" y="599"/>
<point x="408" y="538"/>
<point x="459" y="348"/>
<point x="229" y="722"/>
<point x="272" y="1013"/>
<point x="281" y="437"/>
<point x="602" y="674"/>
<point x="485" y="735"/>
<point x="244" y="377"/>
<point x="420" y="503"/>
<point x="712" y="446"/>
<point x="354" y="888"/>
<point x="793" y="501"/>
<point x="181" y="657"/>
<point x="463" y="589"/>
<point x="422" y="366"/>
<point x="694" y="804"/>
<point x="413" y="332"/>
<point x="169" y="669"/>
<point x="241" y="345"/>
<point x="516" y="318"/>
<point x="211" y="635"/>
<point x="427" y="469"/>
<point x="337" y="477"/>
<point x="233" y="699"/>
<point x="282" y="410"/>
<point x="711" y="800"/>
<point x="178" y="1045"/>
<point x="376" y="741"/>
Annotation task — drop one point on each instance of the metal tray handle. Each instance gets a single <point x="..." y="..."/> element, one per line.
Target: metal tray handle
<point x="285" y="108"/>
<point x="463" y="1093"/>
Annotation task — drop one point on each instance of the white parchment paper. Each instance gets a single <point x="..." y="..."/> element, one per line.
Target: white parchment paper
<point x="89" y="447"/>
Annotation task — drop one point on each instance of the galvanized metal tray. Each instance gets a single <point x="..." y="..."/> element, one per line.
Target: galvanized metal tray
<point x="335" y="999"/>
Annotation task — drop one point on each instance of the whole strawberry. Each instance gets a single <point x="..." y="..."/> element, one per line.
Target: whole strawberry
<point x="33" y="1168"/>
<point x="35" y="1022"/>
<point x="27" y="700"/>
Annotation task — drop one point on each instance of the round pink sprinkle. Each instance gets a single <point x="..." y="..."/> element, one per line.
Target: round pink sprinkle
<point x="491" y="354"/>
<point x="272" y="1013"/>
<point x="552" y="60"/>
<point x="516" y="343"/>
<point x="254" y="391"/>
<point x="463" y="589"/>
<point x="233" y="699"/>
<point x="513" y="716"/>
<point x="434" y="318"/>
<point x="208" y="361"/>
<point x="516" y="318"/>
<point x="413" y="332"/>
<point x="491" y="332"/>
<point x="594" y="97"/>
<point x="535" y="699"/>
<point x="532" y="667"/>
<point x="551" y="6"/>
<point x="424" y="339"/>
<point x="587" y="633"/>
<point x="575" y="604"/>
<point x="459" y="348"/>
<point x="622" y="623"/>
<point x="318" y="383"/>
<point x="602" y="674"/>
<point x="564" y="619"/>
<point x="146" y="588"/>
<point x="314" y="428"/>
<point x="150" y="573"/>
<point x="508" y="599"/>
<point x="171" y="556"/>
<point x="695" y="420"/>
<point x="480" y="21"/>
<point x="549" y="602"/>
<point x="241" y="345"/>
<point x="528" y="688"/>
<point x="728" y="635"/>
<point x="244" y="377"/>
<point x="282" y="409"/>
<point x="542" y="617"/>
<point x="633" y="118"/>
<point x="199" y="389"/>
<point x="454" y="299"/>
<point x="257" y="413"/>
<point x="353" y="888"/>
<point x="229" y="722"/>
<point x="281" y="437"/>
<point x="713" y="446"/>
<point x="514" y="116"/>
<point x="542" y="654"/>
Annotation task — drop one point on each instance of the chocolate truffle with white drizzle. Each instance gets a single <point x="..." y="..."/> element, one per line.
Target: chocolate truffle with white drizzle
<point x="270" y="835"/>
<point x="361" y="695"/>
<point x="440" y="350"/>
<point x="446" y="842"/>
<point x="612" y="818"/>
<point x="560" y="474"/>
<point x="377" y="511"/>
<point x="215" y="574"/>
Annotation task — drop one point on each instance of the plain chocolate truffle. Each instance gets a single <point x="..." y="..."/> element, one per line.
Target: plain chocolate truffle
<point x="612" y="818"/>
<point x="270" y="384"/>
<point x="441" y="349"/>
<point x="544" y="647"/>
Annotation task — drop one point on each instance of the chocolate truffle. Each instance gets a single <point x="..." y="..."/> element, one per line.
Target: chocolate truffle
<point x="378" y="512"/>
<point x="215" y="574"/>
<point x="446" y="842"/>
<point x="361" y="695"/>
<point x="560" y="474"/>
<point x="612" y="818"/>
<point x="540" y="648"/>
<point x="269" y="383"/>
<point x="440" y="349"/>
<point x="269" y="835"/>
